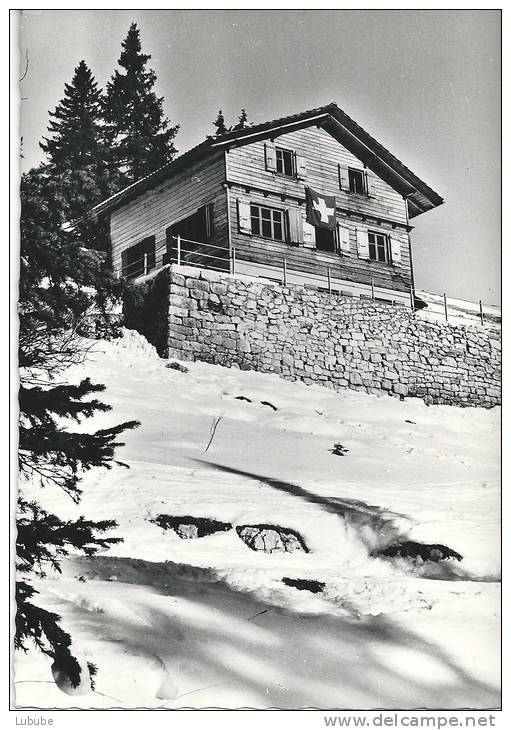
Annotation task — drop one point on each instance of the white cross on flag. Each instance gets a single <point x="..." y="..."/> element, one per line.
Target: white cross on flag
<point x="320" y="209"/>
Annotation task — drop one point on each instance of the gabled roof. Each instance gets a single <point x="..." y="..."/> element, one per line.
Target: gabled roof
<point x="331" y="118"/>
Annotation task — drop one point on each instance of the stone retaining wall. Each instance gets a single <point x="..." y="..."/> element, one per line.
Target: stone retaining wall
<point x="328" y="339"/>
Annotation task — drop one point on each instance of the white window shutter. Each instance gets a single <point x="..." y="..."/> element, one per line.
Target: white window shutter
<point x="300" y="167"/>
<point x="244" y="223"/>
<point x="343" y="237"/>
<point x="294" y="226"/>
<point x="395" y="251"/>
<point x="308" y="232"/>
<point x="370" y="178"/>
<point x="269" y="157"/>
<point x="344" y="183"/>
<point x="309" y="235"/>
<point x="362" y="243"/>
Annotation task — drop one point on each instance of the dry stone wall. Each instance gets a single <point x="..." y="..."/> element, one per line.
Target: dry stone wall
<point x="328" y="339"/>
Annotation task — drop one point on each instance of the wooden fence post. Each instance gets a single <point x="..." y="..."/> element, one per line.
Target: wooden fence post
<point x="145" y="262"/>
<point x="481" y="313"/>
<point x="285" y="272"/>
<point x="178" y="250"/>
<point x="372" y="288"/>
<point x="445" y="308"/>
<point x="233" y="260"/>
<point x="329" y="280"/>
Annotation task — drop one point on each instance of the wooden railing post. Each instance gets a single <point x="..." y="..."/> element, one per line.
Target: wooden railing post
<point x="445" y="308"/>
<point x="372" y="288"/>
<point x="178" y="250"/>
<point x="412" y="299"/>
<point x="233" y="260"/>
<point x="329" y="280"/>
<point x="481" y="313"/>
<point x="145" y="262"/>
<point x="285" y="272"/>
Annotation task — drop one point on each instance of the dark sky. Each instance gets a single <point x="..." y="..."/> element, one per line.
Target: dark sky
<point x="425" y="83"/>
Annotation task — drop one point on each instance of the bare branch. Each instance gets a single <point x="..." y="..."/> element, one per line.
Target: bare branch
<point x="26" y="68"/>
<point x="213" y="431"/>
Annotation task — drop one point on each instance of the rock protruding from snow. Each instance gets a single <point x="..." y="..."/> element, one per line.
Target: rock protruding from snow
<point x="177" y="366"/>
<point x="271" y="538"/>
<point x="304" y="584"/>
<point x="418" y="552"/>
<point x="188" y="528"/>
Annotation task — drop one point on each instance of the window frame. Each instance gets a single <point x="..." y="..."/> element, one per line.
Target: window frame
<point x="334" y="241"/>
<point x="206" y="213"/>
<point x="292" y="154"/>
<point x="357" y="171"/>
<point x="272" y="210"/>
<point x="376" y="246"/>
<point x="143" y="248"/>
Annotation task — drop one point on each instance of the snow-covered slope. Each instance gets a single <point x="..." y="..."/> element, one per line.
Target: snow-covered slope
<point x="459" y="311"/>
<point x="208" y="622"/>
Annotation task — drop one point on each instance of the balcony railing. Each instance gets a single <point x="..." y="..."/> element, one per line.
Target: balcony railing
<point x="185" y="252"/>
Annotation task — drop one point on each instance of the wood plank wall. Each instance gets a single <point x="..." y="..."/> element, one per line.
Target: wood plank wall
<point x="153" y="211"/>
<point x="322" y="155"/>
<point x="246" y="171"/>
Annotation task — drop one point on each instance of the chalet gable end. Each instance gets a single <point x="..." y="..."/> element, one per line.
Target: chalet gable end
<point x="286" y="163"/>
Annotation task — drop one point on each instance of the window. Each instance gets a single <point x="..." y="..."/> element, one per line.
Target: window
<point x="285" y="161"/>
<point x="325" y="240"/>
<point x="378" y="246"/>
<point x="267" y="222"/>
<point x="139" y="259"/>
<point x="197" y="227"/>
<point x="356" y="181"/>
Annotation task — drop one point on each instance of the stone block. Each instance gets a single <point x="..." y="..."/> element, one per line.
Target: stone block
<point x="400" y="389"/>
<point x="177" y="279"/>
<point x="355" y="379"/>
<point x="176" y="300"/>
<point x="218" y="288"/>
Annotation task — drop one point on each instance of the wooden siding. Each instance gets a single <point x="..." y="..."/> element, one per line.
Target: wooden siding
<point x="256" y="249"/>
<point x="153" y="211"/>
<point x="322" y="155"/>
<point x="245" y="171"/>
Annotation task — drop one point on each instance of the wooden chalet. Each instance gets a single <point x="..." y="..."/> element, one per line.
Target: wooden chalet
<point x="236" y="202"/>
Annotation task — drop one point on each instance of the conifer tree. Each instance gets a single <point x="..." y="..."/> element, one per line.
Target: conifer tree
<point x="79" y="158"/>
<point x="77" y="136"/>
<point x="139" y="133"/>
<point x="219" y="123"/>
<point x="61" y="286"/>
<point x="242" y="120"/>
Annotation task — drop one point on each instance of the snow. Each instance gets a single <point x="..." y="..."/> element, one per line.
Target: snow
<point x="207" y="622"/>
<point x="459" y="311"/>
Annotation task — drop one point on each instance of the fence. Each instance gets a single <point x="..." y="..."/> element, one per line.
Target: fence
<point x="442" y="307"/>
<point x="180" y="251"/>
<point x="185" y="252"/>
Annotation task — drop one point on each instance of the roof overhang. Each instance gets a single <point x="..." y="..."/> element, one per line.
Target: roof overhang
<point x="332" y="119"/>
<point x="420" y="196"/>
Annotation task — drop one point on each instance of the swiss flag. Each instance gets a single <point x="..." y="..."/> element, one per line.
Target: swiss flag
<point x="320" y="209"/>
